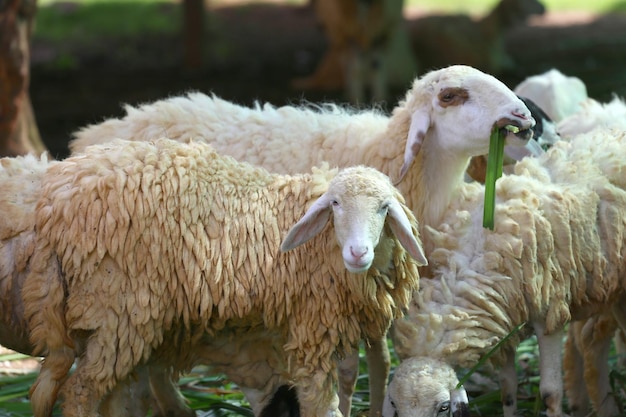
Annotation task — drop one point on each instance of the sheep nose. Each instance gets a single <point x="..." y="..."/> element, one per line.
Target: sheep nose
<point x="525" y="115"/>
<point x="522" y="114"/>
<point x="358" y="252"/>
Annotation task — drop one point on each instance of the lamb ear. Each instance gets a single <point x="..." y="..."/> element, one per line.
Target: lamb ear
<point x="420" y="122"/>
<point x="401" y="227"/>
<point x="309" y="225"/>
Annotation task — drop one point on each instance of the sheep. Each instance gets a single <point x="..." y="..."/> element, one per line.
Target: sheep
<point x="368" y="49"/>
<point x="593" y="115"/>
<point x="441" y="40"/>
<point x="20" y="184"/>
<point x="544" y="135"/>
<point x="559" y="95"/>
<point x="443" y="117"/>
<point x="423" y="382"/>
<point x="555" y="255"/>
<point x="214" y="275"/>
<point x="587" y="348"/>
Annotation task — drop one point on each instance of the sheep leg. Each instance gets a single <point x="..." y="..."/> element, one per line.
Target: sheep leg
<point x="169" y="401"/>
<point x="575" y="388"/>
<point x="550" y="369"/>
<point x="130" y="398"/>
<point x="97" y="372"/>
<point x="348" y="370"/>
<point x="54" y="370"/>
<point x="508" y="386"/>
<point x="596" y="342"/>
<point x="317" y="395"/>
<point x="378" y="364"/>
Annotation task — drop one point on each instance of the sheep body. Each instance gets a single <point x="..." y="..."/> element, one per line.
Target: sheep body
<point x="554" y="256"/>
<point x="20" y="182"/>
<point x="183" y="245"/>
<point x="587" y="348"/>
<point x="557" y="94"/>
<point x="442" y="121"/>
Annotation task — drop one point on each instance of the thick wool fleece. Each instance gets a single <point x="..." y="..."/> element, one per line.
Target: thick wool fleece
<point x="164" y="243"/>
<point x="20" y="186"/>
<point x="556" y="254"/>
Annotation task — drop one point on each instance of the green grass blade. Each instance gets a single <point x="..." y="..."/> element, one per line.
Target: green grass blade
<point x="494" y="171"/>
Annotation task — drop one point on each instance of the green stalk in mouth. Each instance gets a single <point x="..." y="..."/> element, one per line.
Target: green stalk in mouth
<point x="494" y="171"/>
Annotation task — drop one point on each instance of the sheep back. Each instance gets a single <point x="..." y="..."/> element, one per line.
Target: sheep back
<point x="154" y="237"/>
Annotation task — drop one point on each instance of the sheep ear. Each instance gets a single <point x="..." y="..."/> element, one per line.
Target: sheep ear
<point x="401" y="228"/>
<point x="309" y="225"/>
<point x="420" y="122"/>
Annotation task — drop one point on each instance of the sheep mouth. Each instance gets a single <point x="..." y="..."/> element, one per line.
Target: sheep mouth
<point x="513" y="128"/>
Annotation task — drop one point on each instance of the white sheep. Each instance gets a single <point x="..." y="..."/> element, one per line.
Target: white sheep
<point x="587" y="348"/>
<point x="442" y="122"/>
<point x="559" y="95"/>
<point x="167" y="253"/>
<point x="556" y="254"/>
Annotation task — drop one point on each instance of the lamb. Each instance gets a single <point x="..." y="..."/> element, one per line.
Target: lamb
<point x="215" y="274"/>
<point x="555" y="255"/>
<point x="442" y="122"/>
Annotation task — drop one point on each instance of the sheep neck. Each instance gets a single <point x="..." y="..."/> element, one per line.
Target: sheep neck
<point x="432" y="181"/>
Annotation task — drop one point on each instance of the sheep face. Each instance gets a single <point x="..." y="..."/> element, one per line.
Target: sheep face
<point x="424" y="387"/>
<point x="455" y="108"/>
<point x="361" y="201"/>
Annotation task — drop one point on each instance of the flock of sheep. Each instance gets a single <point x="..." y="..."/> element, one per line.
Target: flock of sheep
<point x="268" y="242"/>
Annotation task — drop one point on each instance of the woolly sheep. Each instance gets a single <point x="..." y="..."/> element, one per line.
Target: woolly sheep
<point x="557" y="94"/>
<point x="587" y="348"/>
<point x="555" y="254"/>
<point x="191" y="238"/>
<point x="594" y="115"/>
<point x="20" y="186"/>
<point x="20" y="182"/>
<point x="442" y="122"/>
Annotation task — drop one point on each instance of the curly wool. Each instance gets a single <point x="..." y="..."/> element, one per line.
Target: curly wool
<point x="20" y="185"/>
<point x="555" y="254"/>
<point x="185" y="236"/>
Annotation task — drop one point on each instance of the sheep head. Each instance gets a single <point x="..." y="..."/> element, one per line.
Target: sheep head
<point x="454" y="109"/>
<point x="360" y="200"/>
<point x="425" y="387"/>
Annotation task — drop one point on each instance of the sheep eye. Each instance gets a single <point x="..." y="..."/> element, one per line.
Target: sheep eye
<point x="447" y="97"/>
<point x="334" y="203"/>
<point x="444" y="407"/>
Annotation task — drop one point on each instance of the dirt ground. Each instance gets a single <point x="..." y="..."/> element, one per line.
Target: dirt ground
<point x="252" y="53"/>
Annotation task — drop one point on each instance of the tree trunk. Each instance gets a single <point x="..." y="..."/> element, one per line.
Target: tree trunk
<point x="18" y="129"/>
<point x="193" y="29"/>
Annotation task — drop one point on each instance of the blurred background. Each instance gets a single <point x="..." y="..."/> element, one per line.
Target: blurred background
<point x="66" y="64"/>
<point x="89" y="57"/>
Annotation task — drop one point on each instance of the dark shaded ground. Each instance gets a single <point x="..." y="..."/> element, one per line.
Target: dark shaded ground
<point x="254" y="51"/>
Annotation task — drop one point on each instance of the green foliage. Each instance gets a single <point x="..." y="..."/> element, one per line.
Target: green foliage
<point x="217" y="397"/>
<point x="87" y="21"/>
